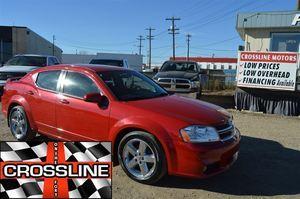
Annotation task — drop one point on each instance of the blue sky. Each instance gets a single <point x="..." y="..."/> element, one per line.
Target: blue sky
<point x="92" y="26"/>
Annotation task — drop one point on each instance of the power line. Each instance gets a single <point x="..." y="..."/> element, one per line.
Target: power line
<point x="93" y="48"/>
<point x="200" y="8"/>
<point x="173" y="30"/>
<point x="150" y="37"/>
<point x="196" y="25"/>
<point x="97" y="44"/>
<point x="219" y="42"/>
<point x="140" y="39"/>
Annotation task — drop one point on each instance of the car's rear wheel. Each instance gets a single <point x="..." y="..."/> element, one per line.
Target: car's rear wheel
<point x="19" y="124"/>
<point x="142" y="158"/>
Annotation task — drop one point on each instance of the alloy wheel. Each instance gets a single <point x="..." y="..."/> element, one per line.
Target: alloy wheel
<point x="18" y="124"/>
<point x="139" y="158"/>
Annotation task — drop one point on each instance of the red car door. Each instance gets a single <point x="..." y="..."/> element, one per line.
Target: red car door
<point x="42" y="100"/>
<point x="77" y="119"/>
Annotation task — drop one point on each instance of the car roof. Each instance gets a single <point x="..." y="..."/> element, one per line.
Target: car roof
<point x="117" y="59"/>
<point x="91" y="67"/>
<point x="34" y="55"/>
<point x="180" y="61"/>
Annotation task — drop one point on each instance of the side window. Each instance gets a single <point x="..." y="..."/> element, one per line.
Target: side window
<point x="48" y="80"/>
<point x="13" y="61"/>
<point x="55" y="60"/>
<point x="50" y="61"/>
<point x="78" y="85"/>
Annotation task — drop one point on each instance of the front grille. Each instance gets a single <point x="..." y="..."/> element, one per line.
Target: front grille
<point x="226" y="131"/>
<point x="165" y="85"/>
<point x="183" y="86"/>
<point x="223" y="126"/>
<point x="175" y="84"/>
<point x="165" y="80"/>
<point x="182" y="81"/>
<point x="7" y="75"/>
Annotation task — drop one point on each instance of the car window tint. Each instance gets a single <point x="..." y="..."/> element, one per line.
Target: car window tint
<point x="53" y="61"/>
<point x="13" y="61"/>
<point x="50" y="61"/>
<point x="32" y="61"/>
<point x="78" y="85"/>
<point x="48" y="80"/>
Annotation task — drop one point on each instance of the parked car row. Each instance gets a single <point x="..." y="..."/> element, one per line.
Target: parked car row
<point x="174" y="76"/>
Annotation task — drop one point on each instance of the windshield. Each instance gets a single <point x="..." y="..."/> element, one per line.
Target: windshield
<point x="131" y="85"/>
<point x="108" y="62"/>
<point x="27" y="61"/>
<point x="179" y="66"/>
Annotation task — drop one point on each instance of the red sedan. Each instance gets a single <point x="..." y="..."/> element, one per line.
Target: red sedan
<point x="153" y="133"/>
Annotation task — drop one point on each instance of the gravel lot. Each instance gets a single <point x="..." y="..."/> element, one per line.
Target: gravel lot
<point x="268" y="165"/>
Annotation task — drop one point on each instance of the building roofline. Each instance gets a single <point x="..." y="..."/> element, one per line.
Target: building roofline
<point x="209" y="59"/>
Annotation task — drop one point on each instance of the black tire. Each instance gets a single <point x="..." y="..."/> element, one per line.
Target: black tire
<point x="161" y="165"/>
<point x="28" y="134"/>
<point x="199" y="93"/>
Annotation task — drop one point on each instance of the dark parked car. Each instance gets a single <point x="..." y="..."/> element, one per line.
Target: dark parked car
<point x="180" y="77"/>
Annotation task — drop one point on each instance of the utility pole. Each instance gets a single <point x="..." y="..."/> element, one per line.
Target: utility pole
<point x="140" y="39"/>
<point x="53" y="45"/>
<point x="173" y="30"/>
<point x="188" y="39"/>
<point x="150" y="37"/>
<point x="1" y="48"/>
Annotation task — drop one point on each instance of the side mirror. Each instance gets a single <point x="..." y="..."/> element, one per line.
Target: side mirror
<point x="97" y="98"/>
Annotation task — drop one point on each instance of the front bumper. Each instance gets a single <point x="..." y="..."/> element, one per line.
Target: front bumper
<point x="205" y="160"/>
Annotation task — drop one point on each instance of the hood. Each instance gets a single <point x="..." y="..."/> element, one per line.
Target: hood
<point x="19" y="69"/>
<point x="186" y="109"/>
<point x="175" y="74"/>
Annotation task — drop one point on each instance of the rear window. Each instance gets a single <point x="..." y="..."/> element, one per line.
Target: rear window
<point x="28" y="61"/>
<point x="108" y="62"/>
<point x="48" y="80"/>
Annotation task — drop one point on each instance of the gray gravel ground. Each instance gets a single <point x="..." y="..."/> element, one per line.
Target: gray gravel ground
<point x="268" y="165"/>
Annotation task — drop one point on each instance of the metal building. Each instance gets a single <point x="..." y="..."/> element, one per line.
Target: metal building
<point x="21" y="40"/>
<point x="270" y="31"/>
<point x="135" y="61"/>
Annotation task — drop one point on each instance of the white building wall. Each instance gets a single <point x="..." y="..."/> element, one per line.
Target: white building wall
<point x="217" y="66"/>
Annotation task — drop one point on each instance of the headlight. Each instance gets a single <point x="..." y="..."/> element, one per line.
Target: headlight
<point x="199" y="134"/>
<point x="195" y="84"/>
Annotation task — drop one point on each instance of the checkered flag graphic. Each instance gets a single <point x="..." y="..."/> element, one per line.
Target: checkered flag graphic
<point x="89" y="188"/>
<point x="88" y="151"/>
<point x="23" y="151"/>
<point x="21" y="188"/>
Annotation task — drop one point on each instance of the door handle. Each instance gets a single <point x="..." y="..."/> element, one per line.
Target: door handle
<point x="30" y="93"/>
<point x="63" y="101"/>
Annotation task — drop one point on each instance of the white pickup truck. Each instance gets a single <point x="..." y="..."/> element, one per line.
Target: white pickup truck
<point x="20" y="65"/>
<point x="111" y="62"/>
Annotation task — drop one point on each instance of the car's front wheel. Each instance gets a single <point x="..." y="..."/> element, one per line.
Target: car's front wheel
<point x="19" y="124"/>
<point x="142" y="158"/>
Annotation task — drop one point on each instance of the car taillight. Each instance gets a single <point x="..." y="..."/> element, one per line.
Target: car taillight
<point x="4" y="89"/>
